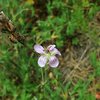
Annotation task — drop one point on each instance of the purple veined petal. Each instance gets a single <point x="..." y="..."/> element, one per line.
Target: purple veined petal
<point x="55" y="51"/>
<point x="39" y="49"/>
<point x="51" y="47"/>
<point x="42" y="61"/>
<point x="53" y="61"/>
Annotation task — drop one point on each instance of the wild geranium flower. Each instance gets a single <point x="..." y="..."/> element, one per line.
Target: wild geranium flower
<point x="48" y="55"/>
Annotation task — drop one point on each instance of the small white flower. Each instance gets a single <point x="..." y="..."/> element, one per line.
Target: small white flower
<point x="48" y="56"/>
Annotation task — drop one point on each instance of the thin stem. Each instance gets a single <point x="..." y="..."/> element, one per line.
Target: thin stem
<point x="42" y="76"/>
<point x="45" y="73"/>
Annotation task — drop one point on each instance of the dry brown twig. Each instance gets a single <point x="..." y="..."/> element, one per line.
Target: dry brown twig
<point x="5" y="23"/>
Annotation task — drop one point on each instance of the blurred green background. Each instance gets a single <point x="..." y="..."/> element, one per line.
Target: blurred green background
<point x="66" y="23"/>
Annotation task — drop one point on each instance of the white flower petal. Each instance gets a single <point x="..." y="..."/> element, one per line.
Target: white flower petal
<point x="42" y="61"/>
<point x="39" y="49"/>
<point x="55" y="51"/>
<point x="51" y="47"/>
<point x="53" y="61"/>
